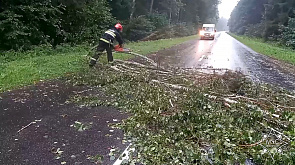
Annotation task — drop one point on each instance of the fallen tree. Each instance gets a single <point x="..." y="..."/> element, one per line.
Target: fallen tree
<point x="183" y="116"/>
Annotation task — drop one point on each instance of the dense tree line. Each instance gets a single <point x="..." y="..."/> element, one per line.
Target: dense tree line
<point x="25" y="23"/>
<point x="269" y="19"/>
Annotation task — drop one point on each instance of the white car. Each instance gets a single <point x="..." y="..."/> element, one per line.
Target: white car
<point x="208" y="31"/>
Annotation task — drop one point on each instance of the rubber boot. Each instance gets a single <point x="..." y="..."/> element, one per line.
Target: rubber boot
<point x="92" y="62"/>
<point x="111" y="63"/>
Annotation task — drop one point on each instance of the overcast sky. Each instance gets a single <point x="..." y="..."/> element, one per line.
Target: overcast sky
<point x="226" y="7"/>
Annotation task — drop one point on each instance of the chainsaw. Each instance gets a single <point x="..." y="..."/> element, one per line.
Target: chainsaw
<point x="119" y="49"/>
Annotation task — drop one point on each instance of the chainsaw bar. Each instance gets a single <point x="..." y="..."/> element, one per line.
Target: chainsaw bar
<point x="128" y="51"/>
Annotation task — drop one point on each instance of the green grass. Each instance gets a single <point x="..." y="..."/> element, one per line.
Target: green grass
<point x="148" y="47"/>
<point x="268" y="48"/>
<point x="24" y="68"/>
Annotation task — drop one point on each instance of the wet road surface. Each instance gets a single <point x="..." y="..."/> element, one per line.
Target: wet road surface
<point x="36" y="129"/>
<point x="35" y="121"/>
<point x="225" y="52"/>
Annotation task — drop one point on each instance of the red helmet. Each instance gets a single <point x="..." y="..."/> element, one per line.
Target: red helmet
<point x="119" y="27"/>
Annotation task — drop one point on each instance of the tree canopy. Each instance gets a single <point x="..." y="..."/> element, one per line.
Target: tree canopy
<point x="270" y="19"/>
<point x="25" y="23"/>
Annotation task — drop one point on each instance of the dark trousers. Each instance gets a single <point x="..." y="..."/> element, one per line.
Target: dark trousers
<point x="100" y="48"/>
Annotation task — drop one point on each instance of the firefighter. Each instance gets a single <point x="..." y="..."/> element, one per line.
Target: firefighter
<point x="106" y="43"/>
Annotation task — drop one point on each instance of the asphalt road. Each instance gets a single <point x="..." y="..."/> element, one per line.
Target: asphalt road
<point x="36" y="127"/>
<point x="225" y="52"/>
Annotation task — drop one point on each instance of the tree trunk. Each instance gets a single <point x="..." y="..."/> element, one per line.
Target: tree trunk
<point x="170" y="13"/>
<point x="170" y="16"/>
<point x="133" y="9"/>
<point x="179" y="12"/>
<point x="151" y="7"/>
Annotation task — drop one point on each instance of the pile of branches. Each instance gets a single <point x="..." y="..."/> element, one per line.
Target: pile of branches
<point x="183" y="116"/>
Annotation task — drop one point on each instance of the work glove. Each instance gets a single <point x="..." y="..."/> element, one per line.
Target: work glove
<point x="118" y="48"/>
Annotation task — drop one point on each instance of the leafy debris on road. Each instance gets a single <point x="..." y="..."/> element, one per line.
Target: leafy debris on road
<point x="58" y="152"/>
<point x="31" y="123"/>
<point x="97" y="159"/>
<point x="182" y="116"/>
<point x="79" y="126"/>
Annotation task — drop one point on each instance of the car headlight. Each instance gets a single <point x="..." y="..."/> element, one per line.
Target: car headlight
<point x="202" y="33"/>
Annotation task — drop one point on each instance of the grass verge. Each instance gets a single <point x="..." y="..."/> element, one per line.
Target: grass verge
<point x="148" y="47"/>
<point x="24" y="68"/>
<point x="269" y="49"/>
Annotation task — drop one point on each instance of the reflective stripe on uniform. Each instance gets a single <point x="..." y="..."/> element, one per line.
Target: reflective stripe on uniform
<point x="110" y="32"/>
<point x="104" y="40"/>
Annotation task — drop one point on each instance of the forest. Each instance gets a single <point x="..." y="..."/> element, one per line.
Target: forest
<point x="272" y="20"/>
<point x="28" y="23"/>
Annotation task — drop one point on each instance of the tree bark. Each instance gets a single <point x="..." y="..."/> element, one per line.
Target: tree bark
<point x="151" y="7"/>
<point x="170" y="14"/>
<point x="133" y="9"/>
<point x="179" y="12"/>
